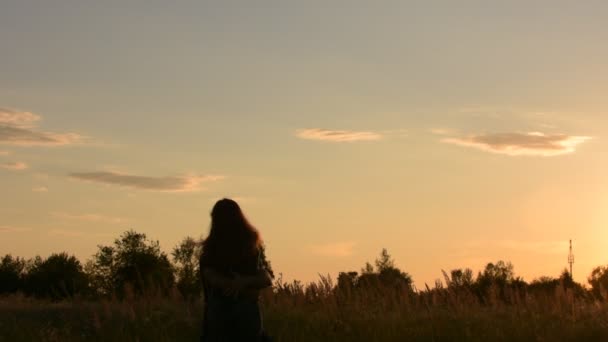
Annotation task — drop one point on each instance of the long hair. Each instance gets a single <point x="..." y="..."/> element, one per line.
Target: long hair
<point x="233" y="243"/>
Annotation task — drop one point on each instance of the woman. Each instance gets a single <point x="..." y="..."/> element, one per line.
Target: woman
<point x="234" y="269"/>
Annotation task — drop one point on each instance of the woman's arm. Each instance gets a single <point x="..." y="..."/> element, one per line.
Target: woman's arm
<point x="237" y="283"/>
<point x="216" y="279"/>
<point x="259" y="281"/>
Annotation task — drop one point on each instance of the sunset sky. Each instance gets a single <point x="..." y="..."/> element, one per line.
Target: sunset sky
<point x="451" y="133"/>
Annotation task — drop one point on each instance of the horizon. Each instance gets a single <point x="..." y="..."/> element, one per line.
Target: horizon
<point x="451" y="135"/>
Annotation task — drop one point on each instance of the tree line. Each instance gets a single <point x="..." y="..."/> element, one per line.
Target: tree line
<point x="135" y="265"/>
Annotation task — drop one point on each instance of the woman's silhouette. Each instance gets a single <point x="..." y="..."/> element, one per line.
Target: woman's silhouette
<point x="234" y="269"/>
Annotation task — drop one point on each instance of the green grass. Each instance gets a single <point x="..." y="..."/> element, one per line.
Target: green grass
<point x="319" y="314"/>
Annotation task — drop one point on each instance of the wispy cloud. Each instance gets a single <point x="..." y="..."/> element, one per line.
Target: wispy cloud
<point x="522" y="144"/>
<point x="18" y="118"/>
<point x="88" y="217"/>
<point x="336" y="249"/>
<point x="15" y="166"/>
<point x="40" y="189"/>
<point x="441" y="131"/>
<point x="19" y="128"/>
<point x="337" y="135"/>
<point x="27" y="137"/>
<point x="12" y="229"/>
<point x="188" y="183"/>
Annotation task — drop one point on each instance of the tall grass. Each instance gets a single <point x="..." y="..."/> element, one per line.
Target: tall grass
<point x="321" y="312"/>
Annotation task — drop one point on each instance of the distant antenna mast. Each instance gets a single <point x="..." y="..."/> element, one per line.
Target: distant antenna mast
<point x="571" y="258"/>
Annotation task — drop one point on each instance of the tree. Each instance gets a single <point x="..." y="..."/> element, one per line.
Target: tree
<point x="132" y="263"/>
<point x="186" y="256"/>
<point x="495" y="280"/>
<point x="11" y="274"/>
<point x="459" y="278"/>
<point x="499" y="274"/>
<point x="548" y="285"/>
<point x="599" y="282"/>
<point x="385" y="274"/>
<point x="389" y="274"/>
<point x="544" y="284"/>
<point x="385" y="261"/>
<point x="347" y="280"/>
<point x="367" y="269"/>
<point x="101" y="271"/>
<point x="59" y="276"/>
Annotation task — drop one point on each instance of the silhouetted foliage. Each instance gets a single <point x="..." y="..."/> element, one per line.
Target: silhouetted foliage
<point x="500" y="273"/>
<point x="543" y="284"/>
<point x="11" y="274"/>
<point x="385" y="275"/>
<point x="385" y="261"/>
<point x="57" y="277"/>
<point x="460" y="278"/>
<point x="367" y="269"/>
<point x="599" y="282"/>
<point x="347" y="280"/>
<point x="133" y="263"/>
<point x="548" y="286"/>
<point x="389" y="274"/>
<point x="497" y="277"/>
<point x="100" y="271"/>
<point x="186" y="256"/>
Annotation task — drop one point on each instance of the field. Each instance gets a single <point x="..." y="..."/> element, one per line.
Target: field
<point x="318" y="313"/>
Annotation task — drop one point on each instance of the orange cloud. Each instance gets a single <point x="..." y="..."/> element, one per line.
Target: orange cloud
<point x="441" y="131"/>
<point x="19" y="128"/>
<point x="522" y="144"/>
<point x="337" y="136"/>
<point x="336" y="249"/>
<point x="16" y="166"/>
<point x="161" y="184"/>
<point x="11" y="229"/>
<point x="17" y="118"/>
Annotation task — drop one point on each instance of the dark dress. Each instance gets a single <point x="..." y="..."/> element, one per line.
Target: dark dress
<point x="233" y="319"/>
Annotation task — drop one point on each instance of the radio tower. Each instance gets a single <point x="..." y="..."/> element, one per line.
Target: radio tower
<point x="571" y="259"/>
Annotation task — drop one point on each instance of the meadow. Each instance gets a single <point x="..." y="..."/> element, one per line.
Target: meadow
<point x="319" y="312"/>
<point x="131" y="291"/>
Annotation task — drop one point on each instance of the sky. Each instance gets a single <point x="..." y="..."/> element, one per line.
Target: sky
<point x="451" y="133"/>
